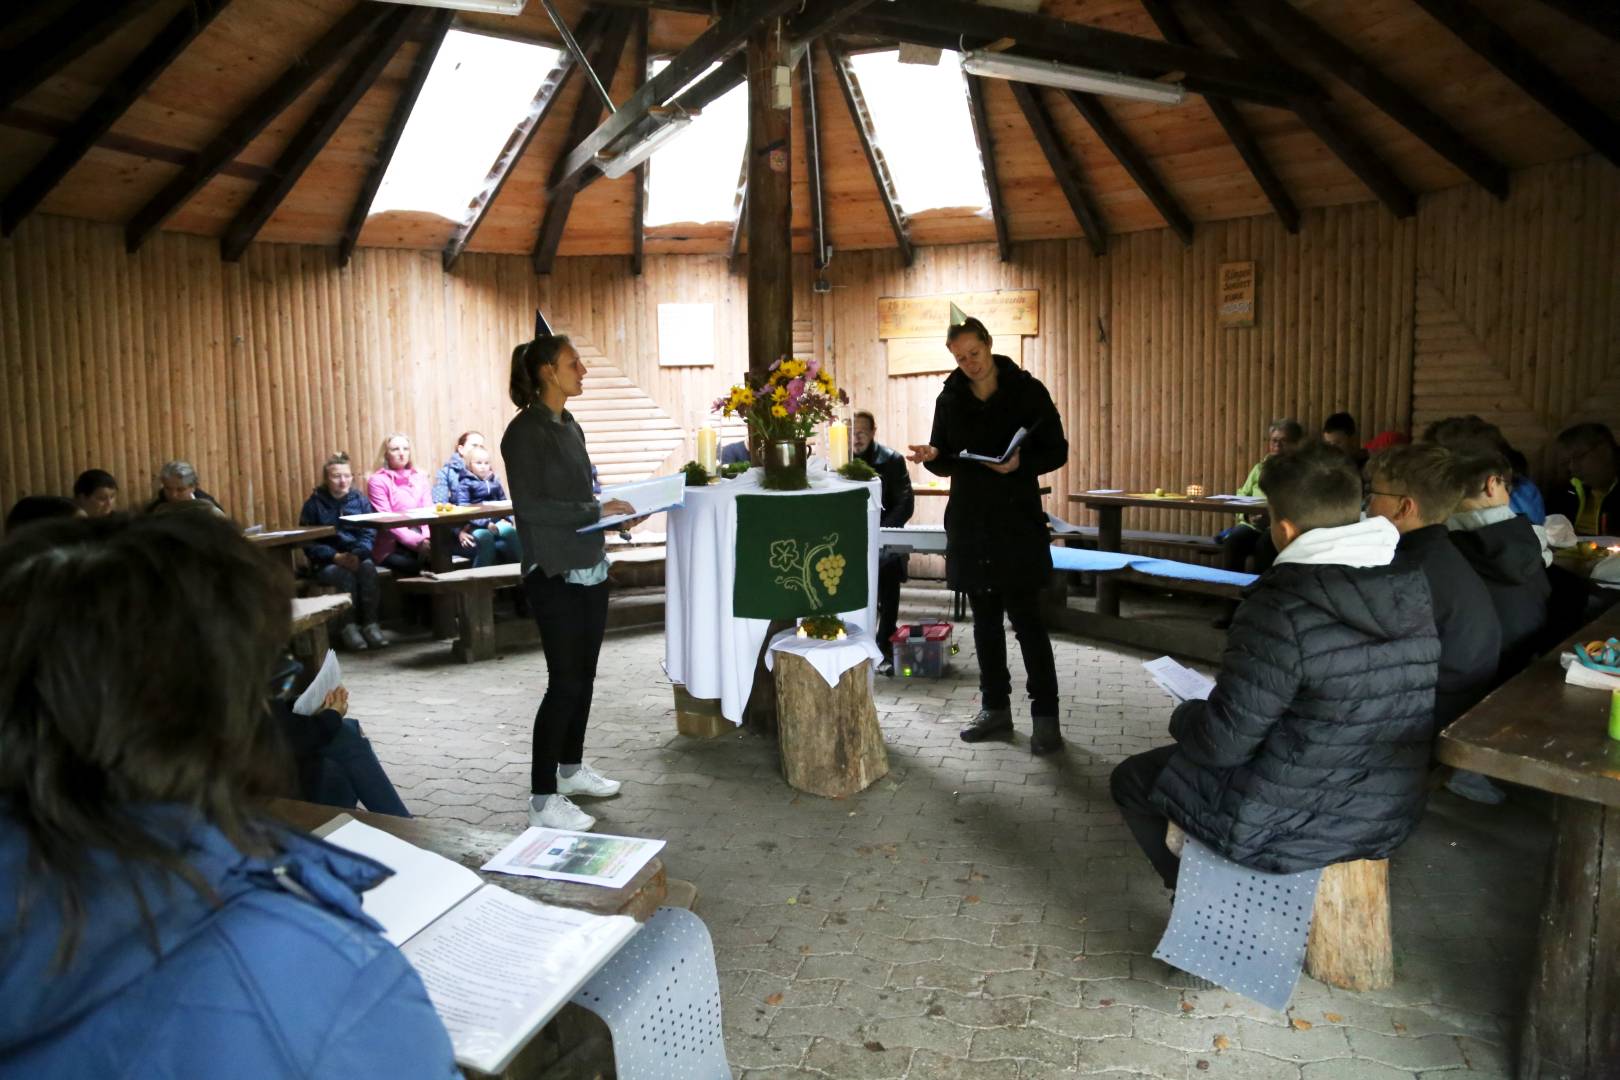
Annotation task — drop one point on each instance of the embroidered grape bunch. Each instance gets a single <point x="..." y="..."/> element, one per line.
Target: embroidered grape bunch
<point x="830" y="568"/>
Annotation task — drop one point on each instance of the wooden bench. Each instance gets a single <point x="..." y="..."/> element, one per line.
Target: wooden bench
<point x="310" y="614"/>
<point x="1087" y="536"/>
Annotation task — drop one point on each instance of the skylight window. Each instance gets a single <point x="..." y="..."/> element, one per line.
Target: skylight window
<point x="694" y="177"/>
<point x="480" y="87"/>
<point x="921" y="122"/>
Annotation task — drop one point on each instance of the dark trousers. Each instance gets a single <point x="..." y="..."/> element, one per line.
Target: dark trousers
<point x="360" y="584"/>
<point x="1023" y="610"/>
<point x="1131" y="784"/>
<point x="349" y="774"/>
<point x="891" y="572"/>
<point x="1244" y="545"/>
<point x="572" y="620"/>
<point x="403" y="562"/>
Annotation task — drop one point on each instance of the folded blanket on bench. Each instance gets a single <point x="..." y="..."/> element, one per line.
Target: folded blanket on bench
<point x="1081" y="560"/>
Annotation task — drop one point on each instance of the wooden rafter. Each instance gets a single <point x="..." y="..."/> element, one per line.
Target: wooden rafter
<point x="638" y="206"/>
<point x="1573" y="110"/>
<point x="1602" y="17"/>
<point x="819" y="19"/>
<point x="1232" y="122"/>
<point x="1349" y="147"/>
<point x="1063" y="164"/>
<point x="545" y="99"/>
<point x="739" y="222"/>
<point x="560" y="200"/>
<point x="1296" y="30"/>
<point x="812" y="159"/>
<point x="373" y="54"/>
<point x="222" y="148"/>
<point x="1136" y="163"/>
<point x="437" y="26"/>
<point x="103" y="113"/>
<point x="874" y="157"/>
<point x="987" y="163"/>
<point x="26" y="65"/>
<point x="952" y="23"/>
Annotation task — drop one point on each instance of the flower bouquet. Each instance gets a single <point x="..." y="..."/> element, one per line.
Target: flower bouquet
<point x="782" y="410"/>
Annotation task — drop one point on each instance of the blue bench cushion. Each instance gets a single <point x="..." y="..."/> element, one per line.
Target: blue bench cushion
<point x="1082" y="560"/>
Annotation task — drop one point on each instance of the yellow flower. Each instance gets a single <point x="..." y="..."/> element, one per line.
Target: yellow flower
<point x="745" y="396"/>
<point x="779" y="394"/>
<point x="779" y="411"/>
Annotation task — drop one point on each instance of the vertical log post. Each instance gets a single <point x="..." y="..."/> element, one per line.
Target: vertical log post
<point x="1351" y="946"/>
<point x="770" y="218"/>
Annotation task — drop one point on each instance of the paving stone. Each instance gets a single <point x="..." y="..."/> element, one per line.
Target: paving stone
<point x="830" y="1021"/>
<point x="1316" y="1043"/>
<point x="1407" y="1051"/>
<point x="763" y="1052"/>
<point x="1024" y="1042"/>
<point x="859" y="1061"/>
<point x="1352" y="1069"/>
<point x="927" y="1032"/>
<point x="927" y="1065"/>
<point x="1082" y="1023"/>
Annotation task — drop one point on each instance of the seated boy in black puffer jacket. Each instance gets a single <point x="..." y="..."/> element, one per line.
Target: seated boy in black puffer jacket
<point x="1313" y="748"/>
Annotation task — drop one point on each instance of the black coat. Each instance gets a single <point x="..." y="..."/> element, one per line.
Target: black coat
<point x="1470" y="635"/>
<point x="1313" y="748"/>
<point x="324" y="508"/>
<point x="995" y="527"/>
<point x="1507" y="557"/>
<point x="898" y="500"/>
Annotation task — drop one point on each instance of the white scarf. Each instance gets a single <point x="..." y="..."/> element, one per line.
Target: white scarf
<point x="1369" y="542"/>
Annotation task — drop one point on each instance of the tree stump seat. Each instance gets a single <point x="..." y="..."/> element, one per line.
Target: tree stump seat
<point x="829" y="737"/>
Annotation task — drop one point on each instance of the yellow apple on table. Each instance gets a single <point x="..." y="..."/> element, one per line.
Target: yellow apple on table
<point x="1158" y="493"/>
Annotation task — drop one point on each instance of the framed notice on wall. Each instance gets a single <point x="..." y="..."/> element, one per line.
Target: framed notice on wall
<point x="685" y="335"/>
<point x="913" y="328"/>
<point x="1236" y="289"/>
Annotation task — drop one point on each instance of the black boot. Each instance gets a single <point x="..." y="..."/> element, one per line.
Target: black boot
<point x="988" y="724"/>
<point x="1047" y="738"/>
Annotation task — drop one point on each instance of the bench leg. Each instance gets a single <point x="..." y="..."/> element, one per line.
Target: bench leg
<point x="475" y="616"/>
<point x="1110" y="521"/>
<point x="310" y="648"/>
<point x="1351" y="946"/>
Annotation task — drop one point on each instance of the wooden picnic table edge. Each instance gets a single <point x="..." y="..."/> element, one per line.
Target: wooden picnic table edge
<point x="1167" y="502"/>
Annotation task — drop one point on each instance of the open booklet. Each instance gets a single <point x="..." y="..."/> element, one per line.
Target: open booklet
<point x="1180" y="682"/>
<point x="647" y="496"/>
<point x="1017" y="440"/>
<point x="496" y="965"/>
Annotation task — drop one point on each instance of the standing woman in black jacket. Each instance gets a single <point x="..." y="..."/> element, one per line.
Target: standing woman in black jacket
<point x="564" y="570"/>
<point x="997" y="546"/>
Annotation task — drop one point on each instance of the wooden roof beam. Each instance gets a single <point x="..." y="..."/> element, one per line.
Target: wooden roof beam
<point x="128" y="85"/>
<point x="874" y="157"/>
<point x="1295" y="30"/>
<point x="812" y="159"/>
<point x="950" y="23"/>
<point x="739" y="224"/>
<point x="638" y="206"/>
<point x="987" y="163"/>
<point x="437" y="26"/>
<point x="1349" y="147"/>
<point x="371" y="55"/>
<point x="1136" y="163"/>
<point x="819" y="20"/>
<point x="560" y="201"/>
<point x="1604" y="18"/>
<point x="1063" y="165"/>
<point x="46" y="52"/>
<point x="224" y="147"/>
<point x="1232" y="122"/>
<point x="1574" y="111"/>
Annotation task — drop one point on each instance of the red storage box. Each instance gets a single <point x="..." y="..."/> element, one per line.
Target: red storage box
<point x="921" y="649"/>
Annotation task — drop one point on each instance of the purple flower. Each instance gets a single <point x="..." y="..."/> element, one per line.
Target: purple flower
<point x="813" y="369"/>
<point x="796" y="389"/>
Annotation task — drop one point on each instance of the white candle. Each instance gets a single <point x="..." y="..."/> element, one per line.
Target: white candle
<point x="837" y="444"/>
<point x="708" y="448"/>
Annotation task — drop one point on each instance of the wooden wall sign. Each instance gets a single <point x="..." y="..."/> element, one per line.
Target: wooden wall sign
<point x="914" y="327"/>
<point x="1237" y="294"/>
<point x="924" y="356"/>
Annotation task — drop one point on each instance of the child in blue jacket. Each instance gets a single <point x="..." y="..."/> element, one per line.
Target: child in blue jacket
<point x="495" y="539"/>
<point x="344" y="559"/>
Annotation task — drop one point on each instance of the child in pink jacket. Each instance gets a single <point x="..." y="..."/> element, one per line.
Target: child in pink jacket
<point x="396" y="487"/>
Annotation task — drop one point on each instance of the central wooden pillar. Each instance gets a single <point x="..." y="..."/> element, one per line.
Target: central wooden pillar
<point x="770" y="206"/>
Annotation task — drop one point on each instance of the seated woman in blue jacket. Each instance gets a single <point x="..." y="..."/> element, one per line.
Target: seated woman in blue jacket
<point x="343" y="560"/>
<point x="155" y="925"/>
<point x="495" y="539"/>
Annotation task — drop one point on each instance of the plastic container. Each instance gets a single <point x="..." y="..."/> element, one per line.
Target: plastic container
<point x="921" y="650"/>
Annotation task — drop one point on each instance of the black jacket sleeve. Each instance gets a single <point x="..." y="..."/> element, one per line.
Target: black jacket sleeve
<point x="898" y="500"/>
<point x="1260" y="674"/>
<point x="1045" y="447"/>
<point x="946" y="462"/>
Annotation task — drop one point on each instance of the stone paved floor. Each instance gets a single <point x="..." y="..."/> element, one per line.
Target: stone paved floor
<point x="980" y="912"/>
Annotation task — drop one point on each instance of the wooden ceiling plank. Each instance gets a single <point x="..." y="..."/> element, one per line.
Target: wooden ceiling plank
<point x="638" y="209"/>
<point x="560" y="202"/>
<point x="53" y="48"/>
<point x="1232" y="122"/>
<point x="1135" y="162"/>
<point x="874" y="157"/>
<point x="985" y="140"/>
<point x="372" y="55"/>
<point x="437" y="27"/>
<point x="246" y="126"/>
<point x="1063" y="165"/>
<point x="1349" y="147"/>
<point x="1604" y="18"/>
<point x="1551" y="92"/>
<point x="103" y="113"/>
<point x="812" y="159"/>
<point x="1296" y="30"/>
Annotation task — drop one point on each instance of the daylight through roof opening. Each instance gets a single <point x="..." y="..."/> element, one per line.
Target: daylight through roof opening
<point x="920" y="118"/>
<point x="694" y="177"/>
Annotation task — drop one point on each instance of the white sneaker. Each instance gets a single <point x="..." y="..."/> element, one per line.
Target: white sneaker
<point x="556" y="812"/>
<point x="1474" y="787"/>
<point x="587" y="781"/>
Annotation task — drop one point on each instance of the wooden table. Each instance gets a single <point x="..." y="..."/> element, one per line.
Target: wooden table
<point x="292" y="539"/>
<point x="310" y="614"/>
<point x="442" y="529"/>
<point x="1539" y="731"/>
<point x="1110" y="527"/>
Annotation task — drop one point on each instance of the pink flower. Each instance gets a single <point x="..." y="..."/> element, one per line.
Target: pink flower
<point x="813" y="369"/>
<point x="796" y="389"/>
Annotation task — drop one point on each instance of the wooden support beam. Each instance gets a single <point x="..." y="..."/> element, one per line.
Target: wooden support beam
<point x="739" y="221"/>
<point x="40" y="124"/>
<point x="371" y="56"/>
<point x="1136" y="163"/>
<point x="1349" y="147"/>
<point x="1063" y="166"/>
<point x="1232" y="122"/>
<point x="437" y="26"/>
<point x="819" y="19"/>
<point x="1551" y="92"/>
<point x="1295" y="30"/>
<point x="545" y="99"/>
<point x="26" y="65"/>
<point x="987" y="163"/>
<point x="1594" y="15"/>
<point x="812" y="159"/>
<point x="638" y="206"/>
<point x="604" y="58"/>
<point x="770" y="204"/>
<point x="874" y="156"/>
<point x="224" y="147"/>
<point x="632" y="120"/>
<point x="954" y="24"/>
<point x="103" y="113"/>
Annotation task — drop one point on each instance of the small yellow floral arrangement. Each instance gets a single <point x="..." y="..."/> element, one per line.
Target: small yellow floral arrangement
<point x="793" y="399"/>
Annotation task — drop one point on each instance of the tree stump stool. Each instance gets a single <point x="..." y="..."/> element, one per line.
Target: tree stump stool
<point x="829" y="736"/>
